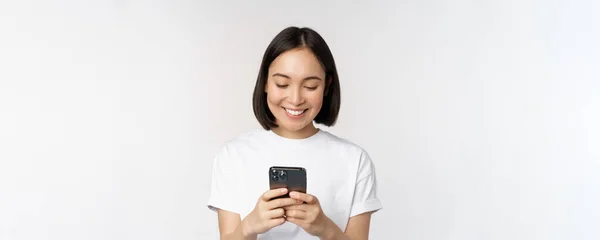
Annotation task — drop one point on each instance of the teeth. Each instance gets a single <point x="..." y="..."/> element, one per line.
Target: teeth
<point x="294" y="113"/>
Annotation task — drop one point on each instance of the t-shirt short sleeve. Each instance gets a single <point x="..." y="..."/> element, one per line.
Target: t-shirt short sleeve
<point x="224" y="183"/>
<point x="365" y="191"/>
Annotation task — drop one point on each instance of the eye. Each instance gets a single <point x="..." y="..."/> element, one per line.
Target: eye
<point x="281" y="85"/>
<point x="311" y="88"/>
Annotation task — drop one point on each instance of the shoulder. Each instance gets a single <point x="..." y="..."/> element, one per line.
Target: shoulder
<point x="243" y="142"/>
<point x="246" y="139"/>
<point x="353" y="150"/>
<point x="337" y="142"/>
<point x="232" y="151"/>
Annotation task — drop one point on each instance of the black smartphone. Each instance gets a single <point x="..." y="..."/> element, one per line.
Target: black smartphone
<point x="292" y="178"/>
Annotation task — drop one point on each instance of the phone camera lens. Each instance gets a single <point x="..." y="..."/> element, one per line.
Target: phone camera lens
<point x="282" y="175"/>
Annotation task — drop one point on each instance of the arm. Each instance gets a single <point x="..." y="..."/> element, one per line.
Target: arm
<point x="357" y="229"/>
<point x="231" y="227"/>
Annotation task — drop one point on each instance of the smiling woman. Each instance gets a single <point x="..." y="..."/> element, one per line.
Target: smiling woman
<point x="294" y="92"/>
<point x="297" y="86"/>
<point x="298" y="67"/>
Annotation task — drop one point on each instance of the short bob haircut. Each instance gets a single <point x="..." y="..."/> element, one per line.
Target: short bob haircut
<point x="294" y="38"/>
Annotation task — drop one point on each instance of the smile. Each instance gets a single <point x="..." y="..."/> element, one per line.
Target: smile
<point x="295" y="112"/>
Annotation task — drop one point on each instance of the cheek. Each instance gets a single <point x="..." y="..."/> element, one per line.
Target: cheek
<point x="315" y="100"/>
<point x="274" y="97"/>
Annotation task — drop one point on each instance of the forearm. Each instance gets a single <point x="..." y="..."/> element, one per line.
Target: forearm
<point x="241" y="232"/>
<point x="333" y="232"/>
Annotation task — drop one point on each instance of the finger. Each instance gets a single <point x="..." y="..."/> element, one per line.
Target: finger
<point x="307" y="198"/>
<point x="275" y="213"/>
<point x="297" y="221"/>
<point x="268" y="195"/>
<point x="297" y="214"/>
<point x="275" y="222"/>
<point x="281" y="202"/>
<point x="301" y="207"/>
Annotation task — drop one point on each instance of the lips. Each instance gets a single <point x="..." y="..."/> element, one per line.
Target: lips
<point x="295" y="112"/>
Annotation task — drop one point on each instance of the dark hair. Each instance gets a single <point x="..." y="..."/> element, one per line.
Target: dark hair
<point x="288" y="39"/>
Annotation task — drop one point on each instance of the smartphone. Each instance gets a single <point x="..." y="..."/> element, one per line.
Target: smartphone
<point x="292" y="178"/>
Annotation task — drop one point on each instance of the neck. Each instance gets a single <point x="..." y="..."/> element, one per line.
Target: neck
<point x="306" y="132"/>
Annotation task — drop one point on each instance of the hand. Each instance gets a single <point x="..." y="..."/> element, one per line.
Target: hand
<point x="309" y="216"/>
<point x="267" y="213"/>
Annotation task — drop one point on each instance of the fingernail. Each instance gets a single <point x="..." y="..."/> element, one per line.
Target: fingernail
<point x="283" y="190"/>
<point x="293" y="194"/>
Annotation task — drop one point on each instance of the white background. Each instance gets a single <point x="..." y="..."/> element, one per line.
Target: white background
<point x="482" y="117"/>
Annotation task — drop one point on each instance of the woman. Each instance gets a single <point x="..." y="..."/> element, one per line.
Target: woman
<point x="297" y="85"/>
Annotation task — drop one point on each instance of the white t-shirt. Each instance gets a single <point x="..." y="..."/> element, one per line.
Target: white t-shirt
<point x="338" y="172"/>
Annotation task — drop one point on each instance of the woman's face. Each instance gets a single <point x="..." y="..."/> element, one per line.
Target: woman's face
<point x="295" y="87"/>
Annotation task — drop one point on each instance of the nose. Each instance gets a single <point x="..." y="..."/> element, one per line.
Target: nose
<point x="295" y="97"/>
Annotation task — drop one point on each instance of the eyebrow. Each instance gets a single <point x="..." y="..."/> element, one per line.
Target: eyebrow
<point x="288" y="77"/>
